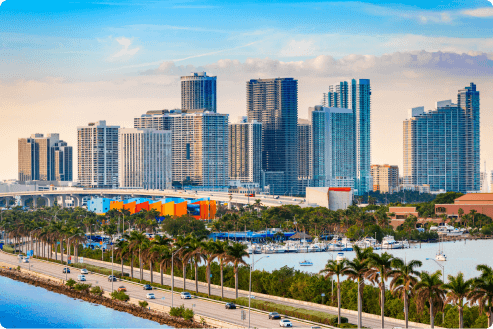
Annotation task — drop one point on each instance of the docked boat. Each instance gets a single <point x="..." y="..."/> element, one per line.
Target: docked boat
<point x="340" y="257"/>
<point x="306" y="263"/>
<point x="449" y="231"/>
<point x="314" y="248"/>
<point x="348" y="246"/>
<point x="440" y="256"/>
<point x="336" y="246"/>
<point x="389" y="242"/>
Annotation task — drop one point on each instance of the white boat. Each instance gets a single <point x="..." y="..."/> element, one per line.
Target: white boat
<point x="346" y="242"/>
<point x="336" y="246"/>
<point x="389" y="242"/>
<point x="314" y="248"/>
<point x="302" y="248"/>
<point x="440" y="256"/>
<point x="292" y="248"/>
<point x="306" y="263"/>
<point x="250" y="250"/>
<point x="340" y="257"/>
<point x="280" y="250"/>
<point x="449" y="231"/>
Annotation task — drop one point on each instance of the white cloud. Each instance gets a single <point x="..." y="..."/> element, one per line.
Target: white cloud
<point x="125" y="52"/>
<point x="2" y="1"/>
<point x="480" y="12"/>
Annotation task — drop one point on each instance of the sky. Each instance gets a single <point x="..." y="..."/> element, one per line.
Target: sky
<point x="65" y="64"/>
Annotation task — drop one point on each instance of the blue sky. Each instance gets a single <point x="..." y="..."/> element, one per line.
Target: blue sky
<point x="65" y="64"/>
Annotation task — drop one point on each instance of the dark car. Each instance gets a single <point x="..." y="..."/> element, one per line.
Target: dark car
<point x="66" y="270"/>
<point x="230" y="306"/>
<point x="274" y="315"/>
<point x="147" y="287"/>
<point x="112" y="278"/>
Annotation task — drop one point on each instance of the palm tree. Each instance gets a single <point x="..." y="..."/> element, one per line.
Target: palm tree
<point x="356" y="271"/>
<point x="182" y="242"/>
<point x="138" y="242"/>
<point x="336" y="268"/>
<point x="380" y="268"/>
<point x="222" y="256"/>
<point x="404" y="279"/>
<point x="196" y="255"/>
<point x="457" y="290"/>
<point x="235" y="254"/>
<point x="473" y="213"/>
<point x="122" y="249"/>
<point x="209" y="250"/>
<point x="429" y="289"/>
<point x="483" y="291"/>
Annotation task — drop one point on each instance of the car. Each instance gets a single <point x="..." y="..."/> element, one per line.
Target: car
<point x="230" y="306"/>
<point x="121" y="288"/>
<point x="66" y="270"/>
<point x="112" y="278"/>
<point x="25" y="260"/>
<point x="185" y="295"/>
<point x="150" y="296"/>
<point x="274" y="315"/>
<point x="81" y="277"/>
<point x="147" y="287"/>
<point x="84" y="271"/>
<point x="315" y="327"/>
<point x="285" y="323"/>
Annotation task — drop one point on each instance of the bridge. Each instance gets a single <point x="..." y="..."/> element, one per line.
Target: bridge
<point x="78" y="194"/>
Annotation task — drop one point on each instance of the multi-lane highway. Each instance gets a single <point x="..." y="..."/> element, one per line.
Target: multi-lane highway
<point x="204" y="307"/>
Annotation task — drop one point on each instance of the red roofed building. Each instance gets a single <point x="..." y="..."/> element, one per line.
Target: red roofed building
<point x="481" y="202"/>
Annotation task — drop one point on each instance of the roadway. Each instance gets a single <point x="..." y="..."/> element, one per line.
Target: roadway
<point x="368" y="322"/>
<point x="201" y="306"/>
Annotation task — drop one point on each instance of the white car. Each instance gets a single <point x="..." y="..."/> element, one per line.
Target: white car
<point x="185" y="295"/>
<point x="150" y="296"/>
<point x="81" y="277"/>
<point x="84" y="271"/>
<point x="285" y="323"/>
<point x="25" y="260"/>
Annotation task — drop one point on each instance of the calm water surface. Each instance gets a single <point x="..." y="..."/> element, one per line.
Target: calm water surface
<point x="26" y="306"/>
<point x="460" y="257"/>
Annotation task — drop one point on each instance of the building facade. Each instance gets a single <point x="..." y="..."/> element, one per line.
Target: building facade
<point x="145" y="159"/>
<point x="44" y="158"/>
<point x="333" y="156"/>
<point x="245" y="151"/>
<point x="385" y="178"/>
<point x="357" y="97"/>
<point x="304" y="155"/>
<point x="274" y="103"/>
<point x="198" y="91"/>
<point x="97" y="155"/>
<point x="440" y="146"/>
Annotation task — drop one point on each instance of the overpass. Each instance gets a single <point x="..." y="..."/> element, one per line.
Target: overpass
<point x="78" y="194"/>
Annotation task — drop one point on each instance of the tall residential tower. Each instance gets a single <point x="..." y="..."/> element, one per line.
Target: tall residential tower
<point x="245" y="151"/>
<point x="198" y="91"/>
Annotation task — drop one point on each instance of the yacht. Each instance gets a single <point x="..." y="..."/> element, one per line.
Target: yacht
<point x="340" y="257"/>
<point x="440" y="256"/>
<point x="336" y="246"/>
<point x="389" y="242"/>
<point x="292" y="248"/>
<point x="306" y="263"/>
<point x="280" y="250"/>
<point x="449" y="231"/>
<point x="346" y="242"/>
<point x="302" y="248"/>
<point x="314" y="248"/>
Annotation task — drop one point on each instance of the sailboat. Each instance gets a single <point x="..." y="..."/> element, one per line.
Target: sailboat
<point x="440" y="256"/>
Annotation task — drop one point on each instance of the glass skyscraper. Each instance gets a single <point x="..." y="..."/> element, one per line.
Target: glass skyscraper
<point x="357" y="97"/>
<point x="441" y="147"/>
<point x="333" y="163"/>
<point x="198" y="91"/>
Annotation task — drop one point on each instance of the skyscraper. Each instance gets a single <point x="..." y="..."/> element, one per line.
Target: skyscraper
<point x="198" y="91"/>
<point x="274" y="103"/>
<point x="245" y="151"/>
<point x="199" y="146"/>
<point x="385" y="178"/>
<point x="441" y="147"/>
<point x="145" y="159"/>
<point x="332" y="146"/>
<point x="304" y="154"/>
<point x="44" y="158"/>
<point x="357" y="97"/>
<point x="97" y="155"/>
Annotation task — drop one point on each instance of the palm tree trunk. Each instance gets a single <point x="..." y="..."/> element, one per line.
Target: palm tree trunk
<point x="359" y="305"/>
<point x="406" y="311"/>
<point x="236" y="280"/>
<point x="161" y="272"/>
<point x="432" y="317"/>
<point x="209" y="278"/>
<point x="184" y="276"/>
<point x="150" y="268"/>
<point x="490" y="317"/>
<point x="222" y="281"/>
<point x="121" y="261"/>
<point x="461" y="318"/>
<point x="382" y="302"/>
<point x="196" y="277"/>
<point x="132" y="266"/>
<point x="338" y="301"/>
<point x="140" y="266"/>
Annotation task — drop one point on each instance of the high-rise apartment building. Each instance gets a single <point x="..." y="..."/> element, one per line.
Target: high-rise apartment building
<point x="198" y="91"/>
<point x="274" y="103"/>
<point x="145" y="159"/>
<point x="44" y="158"/>
<point x="304" y="154"/>
<point x="333" y="156"/>
<point x="245" y="151"/>
<point x="441" y="147"/>
<point x="97" y="155"/>
<point x="357" y="97"/>
<point x="385" y="178"/>
<point x="199" y="146"/>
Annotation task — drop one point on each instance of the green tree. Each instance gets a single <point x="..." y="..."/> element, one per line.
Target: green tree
<point x="429" y="289"/>
<point x="380" y="268"/>
<point x="235" y="254"/>
<point x="482" y="291"/>
<point x="458" y="290"/>
<point x="337" y="268"/>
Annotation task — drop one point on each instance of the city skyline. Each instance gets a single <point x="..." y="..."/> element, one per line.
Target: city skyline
<point x="58" y="76"/>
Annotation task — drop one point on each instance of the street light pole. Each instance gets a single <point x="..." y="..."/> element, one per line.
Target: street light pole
<point x="250" y="285"/>
<point x="172" y="274"/>
<point x="112" y="277"/>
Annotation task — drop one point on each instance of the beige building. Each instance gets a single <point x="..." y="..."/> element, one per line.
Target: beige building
<point x="334" y="198"/>
<point x="245" y="151"/>
<point x="385" y="178"/>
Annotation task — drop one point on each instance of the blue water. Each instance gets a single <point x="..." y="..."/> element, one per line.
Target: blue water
<point x="26" y="306"/>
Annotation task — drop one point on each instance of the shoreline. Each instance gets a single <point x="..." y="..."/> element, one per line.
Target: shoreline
<point x="54" y="286"/>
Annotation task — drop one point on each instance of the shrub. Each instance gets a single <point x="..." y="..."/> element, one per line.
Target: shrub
<point x="70" y="283"/>
<point x="82" y="287"/>
<point x="188" y="314"/>
<point x="97" y="291"/>
<point x="120" y="295"/>
<point x="311" y="315"/>
<point x="177" y="311"/>
<point x="143" y="304"/>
